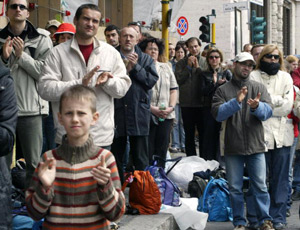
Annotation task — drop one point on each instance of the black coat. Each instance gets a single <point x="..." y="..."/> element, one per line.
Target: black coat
<point x="132" y="112"/>
<point x="8" y="122"/>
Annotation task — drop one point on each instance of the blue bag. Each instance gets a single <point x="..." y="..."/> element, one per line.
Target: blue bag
<point x="170" y="193"/>
<point x="215" y="201"/>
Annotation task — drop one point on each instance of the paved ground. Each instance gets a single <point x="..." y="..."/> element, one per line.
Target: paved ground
<point x="293" y="221"/>
<point x="166" y="221"/>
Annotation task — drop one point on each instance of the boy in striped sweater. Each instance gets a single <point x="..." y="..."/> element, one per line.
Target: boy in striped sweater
<point x="76" y="186"/>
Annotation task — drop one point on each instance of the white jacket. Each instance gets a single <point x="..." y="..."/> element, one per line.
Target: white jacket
<point x="279" y="130"/>
<point x="65" y="66"/>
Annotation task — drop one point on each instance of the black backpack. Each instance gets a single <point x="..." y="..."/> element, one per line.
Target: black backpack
<point x="196" y="186"/>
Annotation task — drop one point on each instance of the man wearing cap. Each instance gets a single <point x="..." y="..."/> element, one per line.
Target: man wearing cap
<point x="23" y="49"/>
<point x="52" y="26"/>
<point x="242" y="105"/>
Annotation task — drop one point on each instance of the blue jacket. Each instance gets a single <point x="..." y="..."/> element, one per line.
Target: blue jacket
<point x="244" y="132"/>
<point x="132" y="112"/>
<point x="8" y="122"/>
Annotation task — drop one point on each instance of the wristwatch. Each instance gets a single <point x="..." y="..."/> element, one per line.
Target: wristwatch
<point x="172" y="107"/>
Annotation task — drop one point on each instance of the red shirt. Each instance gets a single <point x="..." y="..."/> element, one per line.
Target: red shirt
<point x="295" y="119"/>
<point x="86" y="51"/>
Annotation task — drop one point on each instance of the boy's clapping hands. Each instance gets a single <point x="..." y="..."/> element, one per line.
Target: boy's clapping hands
<point x="101" y="173"/>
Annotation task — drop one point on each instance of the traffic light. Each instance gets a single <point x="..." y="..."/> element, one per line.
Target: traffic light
<point x="205" y="29"/>
<point x="258" y="26"/>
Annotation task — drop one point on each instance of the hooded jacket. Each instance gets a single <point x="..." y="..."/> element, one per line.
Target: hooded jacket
<point x="26" y="70"/>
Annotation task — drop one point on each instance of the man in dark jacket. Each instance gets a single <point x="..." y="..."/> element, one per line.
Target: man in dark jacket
<point x="8" y="122"/>
<point x="242" y="105"/>
<point x="132" y="112"/>
<point x="190" y="97"/>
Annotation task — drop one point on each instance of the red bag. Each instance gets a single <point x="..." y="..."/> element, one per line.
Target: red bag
<point x="144" y="194"/>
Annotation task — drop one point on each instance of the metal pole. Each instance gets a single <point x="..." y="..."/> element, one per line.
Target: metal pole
<point x="213" y="34"/>
<point x="165" y="31"/>
<point x="235" y="31"/>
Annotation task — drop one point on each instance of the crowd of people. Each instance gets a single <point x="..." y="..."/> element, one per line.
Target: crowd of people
<point x="85" y="111"/>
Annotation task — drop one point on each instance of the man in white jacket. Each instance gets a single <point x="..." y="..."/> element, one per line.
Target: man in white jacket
<point x="24" y="49"/>
<point x="88" y="61"/>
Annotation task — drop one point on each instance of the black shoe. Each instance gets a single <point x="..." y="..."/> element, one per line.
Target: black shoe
<point x="183" y="150"/>
<point x="253" y="226"/>
<point x="279" y="226"/>
<point x="295" y="196"/>
<point x="288" y="213"/>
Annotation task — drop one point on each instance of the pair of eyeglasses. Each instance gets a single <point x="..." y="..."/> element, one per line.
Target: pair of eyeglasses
<point x="246" y="65"/>
<point x="15" y="6"/>
<point x="214" y="57"/>
<point x="270" y="56"/>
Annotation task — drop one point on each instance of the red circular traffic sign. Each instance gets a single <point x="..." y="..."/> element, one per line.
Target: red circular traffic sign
<point x="182" y="25"/>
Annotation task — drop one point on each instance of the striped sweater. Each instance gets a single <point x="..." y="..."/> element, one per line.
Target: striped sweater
<point x="76" y="201"/>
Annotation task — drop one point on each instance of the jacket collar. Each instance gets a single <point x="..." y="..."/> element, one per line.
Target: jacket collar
<point x="75" y="155"/>
<point x="75" y="45"/>
<point x="29" y="30"/>
<point x="240" y="82"/>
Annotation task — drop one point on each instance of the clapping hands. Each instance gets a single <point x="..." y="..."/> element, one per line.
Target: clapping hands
<point x="101" y="173"/>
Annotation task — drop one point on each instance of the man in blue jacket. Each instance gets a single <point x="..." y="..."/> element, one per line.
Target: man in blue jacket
<point x="8" y="122"/>
<point x="132" y="112"/>
<point x="242" y="105"/>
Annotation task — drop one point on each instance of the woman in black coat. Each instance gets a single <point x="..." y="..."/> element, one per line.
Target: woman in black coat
<point x="211" y="78"/>
<point x="8" y="122"/>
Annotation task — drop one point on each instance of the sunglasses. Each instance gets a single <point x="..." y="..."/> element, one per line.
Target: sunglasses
<point x="15" y="6"/>
<point x="245" y="64"/>
<point x="214" y="57"/>
<point x="270" y="56"/>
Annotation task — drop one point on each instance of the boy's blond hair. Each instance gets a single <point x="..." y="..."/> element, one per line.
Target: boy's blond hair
<point x="82" y="93"/>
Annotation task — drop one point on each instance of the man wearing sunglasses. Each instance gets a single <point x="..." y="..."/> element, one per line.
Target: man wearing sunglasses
<point x="242" y="105"/>
<point x="23" y="49"/>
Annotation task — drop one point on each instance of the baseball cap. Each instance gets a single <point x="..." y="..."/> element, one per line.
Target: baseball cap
<point x="244" y="56"/>
<point x="52" y="23"/>
<point x="65" y="28"/>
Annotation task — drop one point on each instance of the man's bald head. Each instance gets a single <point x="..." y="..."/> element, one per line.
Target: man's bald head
<point x="128" y="39"/>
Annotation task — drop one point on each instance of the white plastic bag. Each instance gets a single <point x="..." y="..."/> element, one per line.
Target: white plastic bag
<point x="187" y="216"/>
<point x="183" y="172"/>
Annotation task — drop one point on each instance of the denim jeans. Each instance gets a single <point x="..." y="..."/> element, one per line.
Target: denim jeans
<point x="256" y="166"/>
<point x="278" y="162"/>
<point x="292" y="154"/>
<point x="178" y="135"/>
<point x="49" y="132"/>
<point x="296" y="172"/>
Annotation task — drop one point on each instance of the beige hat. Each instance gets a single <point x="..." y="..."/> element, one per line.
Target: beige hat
<point x="244" y="56"/>
<point x="52" y="23"/>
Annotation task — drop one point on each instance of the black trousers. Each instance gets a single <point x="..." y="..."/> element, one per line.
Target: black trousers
<point x="138" y="154"/>
<point x="208" y="130"/>
<point x="159" y="139"/>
